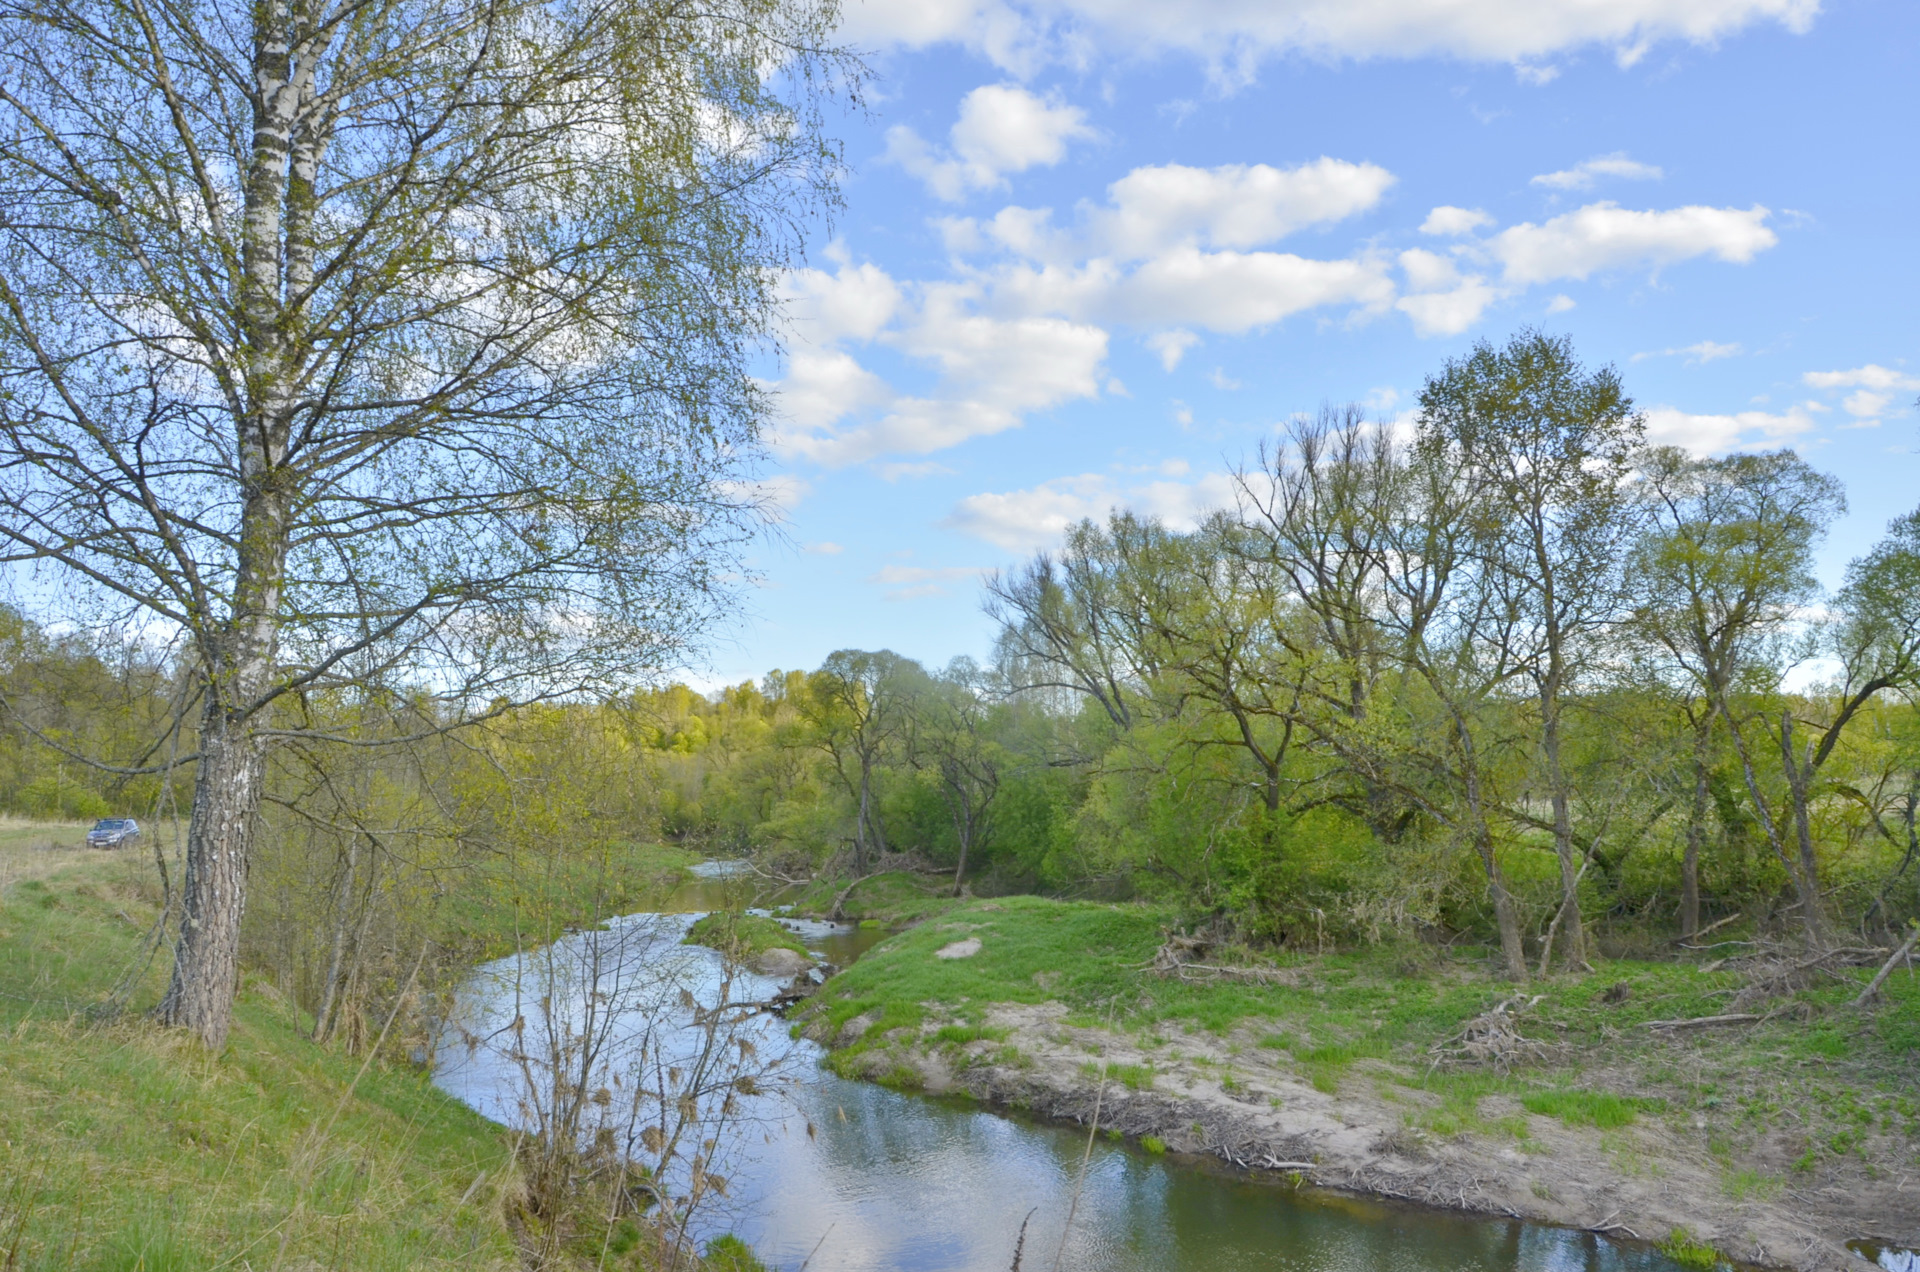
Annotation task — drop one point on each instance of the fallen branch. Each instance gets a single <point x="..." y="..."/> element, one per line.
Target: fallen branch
<point x="1494" y="1038"/>
<point x="1711" y="927"/>
<point x="1705" y="1022"/>
<point x="1886" y="969"/>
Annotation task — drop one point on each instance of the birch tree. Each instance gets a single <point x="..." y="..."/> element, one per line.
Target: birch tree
<point x="388" y="342"/>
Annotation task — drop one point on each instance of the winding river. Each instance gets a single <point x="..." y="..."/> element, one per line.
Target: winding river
<point x="859" y="1178"/>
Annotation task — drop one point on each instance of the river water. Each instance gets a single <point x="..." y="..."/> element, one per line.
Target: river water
<point x="864" y="1179"/>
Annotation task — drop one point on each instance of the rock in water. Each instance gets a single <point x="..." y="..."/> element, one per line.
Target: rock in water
<point x="781" y="962"/>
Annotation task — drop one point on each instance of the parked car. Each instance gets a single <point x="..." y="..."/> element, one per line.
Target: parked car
<point x="113" y="832"/>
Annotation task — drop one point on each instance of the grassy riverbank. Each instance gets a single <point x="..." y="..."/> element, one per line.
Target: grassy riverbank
<point x="124" y="1148"/>
<point x="1819" y="1099"/>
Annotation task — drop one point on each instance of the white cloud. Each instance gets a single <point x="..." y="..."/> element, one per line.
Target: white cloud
<point x="1448" y="313"/>
<point x="1234" y="36"/>
<point x="820" y="388"/>
<point x="1875" y="390"/>
<point x="1561" y="303"/>
<point x="1866" y="404"/>
<point x="1238" y="291"/>
<point x="854" y="302"/>
<point x="1871" y="376"/>
<point x="1710" y="434"/>
<point x="1233" y="206"/>
<point x="775" y="496"/>
<point x="1442" y="301"/>
<point x="826" y="547"/>
<point x="1172" y="346"/>
<point x="1026" y="520"/>
<point x="912" y="582"/>
<point x="1604" y="236"/>
<point x="893" y="575"/>
<point x="1167" y="250"/>
<point x="1001" y="129"/>
<point x="1704" y="351"/>
<point x="1451" y="222"/>
<point x="1582" y="176"/>
<point x="994" y="371"/>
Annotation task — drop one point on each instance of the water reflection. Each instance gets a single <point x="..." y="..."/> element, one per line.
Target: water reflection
<point x="876" y="1181"/>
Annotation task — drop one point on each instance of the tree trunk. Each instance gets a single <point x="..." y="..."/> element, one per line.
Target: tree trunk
<point x="965" y="828"/>
<point x="343" y="909"/>
<point x="226" y="797"/>
<point x="1806" y="875"/>
<point x="1575" y="933"/>
<point x="1511" y="949"/>
<point x="1696" y="830"/>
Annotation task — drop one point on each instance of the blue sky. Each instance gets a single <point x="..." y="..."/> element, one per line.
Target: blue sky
<point x="1095" y="251"/>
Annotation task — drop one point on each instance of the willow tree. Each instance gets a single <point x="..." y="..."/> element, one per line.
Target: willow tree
<point x="388" y="343"/>
<point x="1552" y="446"/>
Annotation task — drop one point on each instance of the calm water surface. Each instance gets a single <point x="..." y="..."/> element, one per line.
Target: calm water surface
<point x="877" y="1181"/>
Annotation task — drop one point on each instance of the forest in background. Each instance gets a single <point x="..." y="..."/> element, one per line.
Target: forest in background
<point x="1512" y="676"/>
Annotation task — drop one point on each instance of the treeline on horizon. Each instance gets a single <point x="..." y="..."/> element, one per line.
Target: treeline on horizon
<point x="1516" y="676"/>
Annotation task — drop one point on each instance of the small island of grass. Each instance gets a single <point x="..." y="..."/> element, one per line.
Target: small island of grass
<point x="744" y="937"/>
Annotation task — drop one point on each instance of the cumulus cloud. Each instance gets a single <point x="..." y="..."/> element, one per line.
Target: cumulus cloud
<point x="993" y="373"/>
<point x="1583" y="176"/>
<point x="1034" y="518"/>
<point x="1001" y="129"/>
<point x="1875" y="390"/>
<point x="1712" y="434"/>
<point x="821" y="387"/>
<point x="1172" y="346"/>
<point x="853" y="302"/>
<point x="1232" y="206"/>
<point x="1604" y="236"/>
<point x="1441" y="300"/>
<point x="1451" y="222"/>
<point x="1238" y="291"/>
<point x="1234" y="36"/>
<point x="1871" y="376"/>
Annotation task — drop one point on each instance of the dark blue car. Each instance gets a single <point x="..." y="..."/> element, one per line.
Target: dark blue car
<point x="113" y="832"/>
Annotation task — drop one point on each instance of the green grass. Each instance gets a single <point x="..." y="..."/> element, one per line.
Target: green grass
<point x="1684" y="1249"/>
<point x="890" y="900"/>
<point x="961" y="1035"/>
<point x="1847" y="1074"/>
<point x="1134" y="1077"/>
<point x="1588" y="1108"/>
<point x="742" y="936"/>
<point x="125" y="1147"/>
<point x="532" y="902"/>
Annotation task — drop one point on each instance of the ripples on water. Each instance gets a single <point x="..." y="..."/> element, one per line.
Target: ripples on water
<point x="897" y="1183"/>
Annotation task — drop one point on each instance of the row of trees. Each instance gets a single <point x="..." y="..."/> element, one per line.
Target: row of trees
<point x="1511" y="672"/>
<point x="1519" y="631"/>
